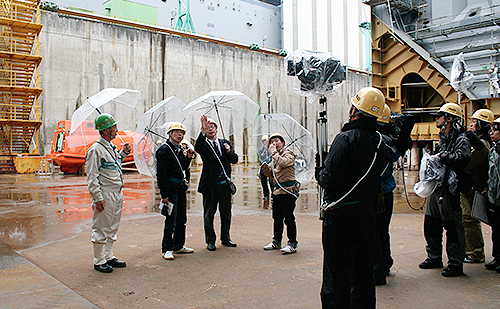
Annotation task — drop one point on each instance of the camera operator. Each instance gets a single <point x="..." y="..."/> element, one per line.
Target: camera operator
<point x="351" y="179"/>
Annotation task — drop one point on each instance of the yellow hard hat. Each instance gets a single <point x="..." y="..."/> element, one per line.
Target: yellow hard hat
<point x="452" y="109"/>
<point x="210" y="120"/>
<point x="369" y="100"/>
<point x="386" y="115"/>
<point x="274" y="135"/>
<point x="176" y="126"/>
<point x="496" y="120"/>
<point x="483" y="114"/>
<point x="264" y="137"/>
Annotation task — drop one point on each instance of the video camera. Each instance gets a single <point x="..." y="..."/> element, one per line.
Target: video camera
<point x="399" y="129"/>
<point x="316" y="74"/>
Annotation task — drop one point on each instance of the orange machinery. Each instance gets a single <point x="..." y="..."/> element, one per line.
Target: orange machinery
<point x="72" y="159"/>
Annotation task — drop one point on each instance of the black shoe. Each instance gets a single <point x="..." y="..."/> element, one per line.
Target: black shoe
<point x="229" y="243"/>
<point x="211" y="247"/>
<point x="429" y="264"/>
<point x="453" y="271"/>
<point x="492" y="265"/>
<point x="381" y="281"/>
<point x="116" y="263"/>
<point x="103" y="268"/>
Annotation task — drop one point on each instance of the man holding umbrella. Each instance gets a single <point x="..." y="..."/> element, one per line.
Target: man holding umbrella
<point x="285" y="193"/>
<point x="217" y="155"/>
<point x="171" y="164"/>
<point x="105" y="182"/>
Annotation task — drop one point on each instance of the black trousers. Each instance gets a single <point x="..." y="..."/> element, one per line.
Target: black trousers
<point x="174" y="230"/>
<point x="283" y="207"/>
<point x="219" y="195"/>
<point x="383" y="259"/>
<point x="348" y="246"/>
<point x="447" y="216"/>
<point x="264" y="182"/>
<point x="494" y="219"/>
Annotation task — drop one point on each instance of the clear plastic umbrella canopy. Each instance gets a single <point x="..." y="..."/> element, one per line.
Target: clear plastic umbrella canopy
<point x="297" y="138"/>
<point x="232" y="110"/>
<point x="461" y="77"/>
<point x="151" y="133"/>
<point x="117" y="102"/>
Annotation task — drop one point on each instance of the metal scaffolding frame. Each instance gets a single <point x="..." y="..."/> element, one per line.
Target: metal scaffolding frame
<point x="19" y="78"/>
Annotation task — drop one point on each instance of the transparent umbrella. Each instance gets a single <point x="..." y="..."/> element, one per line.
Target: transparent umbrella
<point x="151" y="133"/>
<point x="117" y="102"/>
<point x="232" y="110"/>
<point x="297" y="138"/>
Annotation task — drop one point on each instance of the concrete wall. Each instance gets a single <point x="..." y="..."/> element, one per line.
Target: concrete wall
<point x="327" y="25"/>
<point x="81" y="57"/>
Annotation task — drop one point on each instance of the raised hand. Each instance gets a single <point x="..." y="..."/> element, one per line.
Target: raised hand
<point x="127" y="147"/>
<point x="204" y="124"/>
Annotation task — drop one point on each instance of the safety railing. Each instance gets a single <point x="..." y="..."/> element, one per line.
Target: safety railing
<point x="18" y="9"/>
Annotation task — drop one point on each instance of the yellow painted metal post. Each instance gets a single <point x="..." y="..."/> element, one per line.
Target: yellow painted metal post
<point x="245" y="162"/>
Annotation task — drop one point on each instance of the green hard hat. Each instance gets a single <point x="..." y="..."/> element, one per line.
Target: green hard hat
<point x="104" y="121"/>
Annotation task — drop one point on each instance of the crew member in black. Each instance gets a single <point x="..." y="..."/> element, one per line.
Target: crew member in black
<point x="443" y="205"/>
<point x="351" y="180"/>
<point x="171" y="164"/>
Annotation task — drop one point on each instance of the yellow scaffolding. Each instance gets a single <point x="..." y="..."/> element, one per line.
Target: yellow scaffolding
<point x="19" y="78"/>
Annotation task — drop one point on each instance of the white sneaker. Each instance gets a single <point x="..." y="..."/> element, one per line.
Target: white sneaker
<point x="168" y="255"/>
<point x="273" y="246"/>
<point x="288" y="249"/>
<point x="185" y="250"/>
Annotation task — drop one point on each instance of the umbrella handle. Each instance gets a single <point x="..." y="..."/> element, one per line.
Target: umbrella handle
<point x="123" y="142"/>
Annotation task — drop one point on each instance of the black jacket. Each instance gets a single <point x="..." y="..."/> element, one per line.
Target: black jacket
<point x="167" y="167"/>
<point x="454" y="150"/>
<point x="349" y="159"/>
<point x="211" y="166"/>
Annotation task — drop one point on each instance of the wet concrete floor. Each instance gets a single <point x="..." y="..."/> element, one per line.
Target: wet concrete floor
<point x="46" y="221"/>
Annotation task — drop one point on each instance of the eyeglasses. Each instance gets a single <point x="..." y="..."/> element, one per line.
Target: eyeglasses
<point x="493" y="129"/>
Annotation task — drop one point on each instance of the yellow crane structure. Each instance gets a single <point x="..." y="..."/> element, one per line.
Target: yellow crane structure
<point x="19" y="80"/>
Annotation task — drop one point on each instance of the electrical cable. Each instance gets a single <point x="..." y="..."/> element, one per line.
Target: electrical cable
<point x="406" y="191"/>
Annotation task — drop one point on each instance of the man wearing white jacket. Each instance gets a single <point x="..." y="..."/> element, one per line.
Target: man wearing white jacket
<point x="105" y="182"/>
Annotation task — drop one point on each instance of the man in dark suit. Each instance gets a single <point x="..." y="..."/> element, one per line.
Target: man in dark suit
<point x="217" y="155"/>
